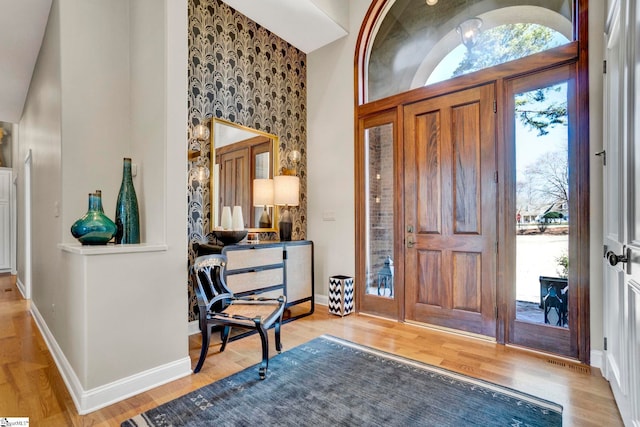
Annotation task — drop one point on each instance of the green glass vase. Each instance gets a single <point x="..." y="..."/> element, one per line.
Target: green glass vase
<point x="94" y="228"/>
<point x="127" y="218"/>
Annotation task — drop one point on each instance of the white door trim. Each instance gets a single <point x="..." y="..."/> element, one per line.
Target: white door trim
<point x="27" y="225"/>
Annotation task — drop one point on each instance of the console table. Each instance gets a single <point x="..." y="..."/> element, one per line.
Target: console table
<point x="271" y="269"/>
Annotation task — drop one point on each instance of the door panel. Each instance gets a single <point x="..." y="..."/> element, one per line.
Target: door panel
<point x="235" y="180"/>
<point x="379" y="283"/>
<point x="543" y="307"/>
<point x="450" y="202"/>
<point x="621" y="172"/>
<point x="466" y="168"/>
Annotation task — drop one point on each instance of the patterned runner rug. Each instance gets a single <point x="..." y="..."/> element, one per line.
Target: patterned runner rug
<point x="332" y="382"/>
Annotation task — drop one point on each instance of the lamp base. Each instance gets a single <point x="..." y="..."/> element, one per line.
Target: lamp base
<point x="285" y="231"/>
<point x="265" y="221"/>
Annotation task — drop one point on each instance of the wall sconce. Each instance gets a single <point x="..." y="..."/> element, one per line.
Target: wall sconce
<point x="286" y="192"/>
<point x="200" y="172"/>
<point x="200" y="132"/>
<point x="263" y="196"/>
<point x="469" y="31"/>
<point x="294" y="156"/>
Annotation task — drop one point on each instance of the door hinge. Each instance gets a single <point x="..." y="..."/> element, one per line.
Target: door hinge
<point x="496" y="307"/>
<point x="495" y="106"/>
<point x="604" y="67"/>
<point x="495" y="176"/>
<point x="605" y="343"/>
<point x="496" y="247"/>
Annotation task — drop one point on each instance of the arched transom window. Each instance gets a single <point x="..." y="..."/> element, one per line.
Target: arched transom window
<point x="417" y="44"/>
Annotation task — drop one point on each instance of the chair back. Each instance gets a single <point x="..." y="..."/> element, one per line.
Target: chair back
<point x="207" y="276"/>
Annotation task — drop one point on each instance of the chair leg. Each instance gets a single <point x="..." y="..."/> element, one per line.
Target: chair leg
<point x="224" y="335"/>
<point x="277" y="333"/>
<point x="206" y="338"/>
<point x="264" y="337"/>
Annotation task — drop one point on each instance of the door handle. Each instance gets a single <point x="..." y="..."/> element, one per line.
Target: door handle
<point x="410" y="242"/>
<point x="615" y="259"/>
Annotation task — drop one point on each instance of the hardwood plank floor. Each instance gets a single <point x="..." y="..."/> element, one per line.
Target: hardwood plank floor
<point x="31" y="386"/>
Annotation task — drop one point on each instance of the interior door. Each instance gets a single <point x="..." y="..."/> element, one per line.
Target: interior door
<point x="5" y="218"/>
<point x="450" y="211"/>
<point x="621" y="284"/>
<point x="235" y="180"/>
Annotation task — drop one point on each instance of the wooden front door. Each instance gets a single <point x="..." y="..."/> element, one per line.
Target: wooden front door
<point x="451" y="211"/>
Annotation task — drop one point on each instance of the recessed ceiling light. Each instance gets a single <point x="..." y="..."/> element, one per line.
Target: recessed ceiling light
<point x="432" y="2"/>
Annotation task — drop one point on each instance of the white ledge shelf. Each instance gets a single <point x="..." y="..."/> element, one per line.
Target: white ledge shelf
<point x="111" y="249"/>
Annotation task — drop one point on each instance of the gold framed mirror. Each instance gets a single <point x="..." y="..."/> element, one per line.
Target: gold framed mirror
<point x="239" y="156"/>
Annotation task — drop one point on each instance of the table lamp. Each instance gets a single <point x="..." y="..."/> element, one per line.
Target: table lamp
<point x="263" y="196"/>
<point x="286" y="191"/>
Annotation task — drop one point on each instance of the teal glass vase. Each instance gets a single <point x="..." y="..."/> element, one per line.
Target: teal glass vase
<point x="94" y="228"/>
<point x="127" y="218"/>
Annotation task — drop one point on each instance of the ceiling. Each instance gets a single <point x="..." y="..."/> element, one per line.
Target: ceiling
<point x="306" y="24"/>
<point x="22" y="25"/>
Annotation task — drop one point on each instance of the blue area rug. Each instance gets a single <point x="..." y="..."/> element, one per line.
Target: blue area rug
<point x="332" y="382"/>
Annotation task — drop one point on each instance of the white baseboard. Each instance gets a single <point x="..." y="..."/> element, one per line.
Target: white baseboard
<point x="321" y="300"/>
<point x="597" y="359"/>
<point x="194" y="327"/>
<point x="116" y="391"/>
<point x="91" y="400"/>
<point x="21" y="287"/>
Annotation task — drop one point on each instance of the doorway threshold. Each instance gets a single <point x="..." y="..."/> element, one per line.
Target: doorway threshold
<point x="457" y="332"/>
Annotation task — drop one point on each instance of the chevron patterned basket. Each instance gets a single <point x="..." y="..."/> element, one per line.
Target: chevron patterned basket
<point x="341" y="295"/>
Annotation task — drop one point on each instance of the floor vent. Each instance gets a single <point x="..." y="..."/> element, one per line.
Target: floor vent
<point x="578" y="368"/>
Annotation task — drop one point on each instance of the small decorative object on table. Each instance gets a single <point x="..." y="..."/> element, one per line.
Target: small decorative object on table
<point x="226" y="221"/>
<point x="127" y="219"/>
<point x="237" y="222"/>
<point x="229" y="237"/>
<point x="94" y="228"/>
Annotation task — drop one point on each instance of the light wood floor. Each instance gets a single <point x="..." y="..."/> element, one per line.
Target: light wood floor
<point x="30" y="385"/>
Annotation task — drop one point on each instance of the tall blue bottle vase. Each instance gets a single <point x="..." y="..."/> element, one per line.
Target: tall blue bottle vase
<point x="94" y="228"/>
<point x="127" y="218"/>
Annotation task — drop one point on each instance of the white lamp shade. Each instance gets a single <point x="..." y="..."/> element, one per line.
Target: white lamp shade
<point x="286" y="190"/>
<point x="263" y="192"/>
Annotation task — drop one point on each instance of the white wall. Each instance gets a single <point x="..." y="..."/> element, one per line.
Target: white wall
<point x="148" y="120"/>
<point x="40" y="130"/>
<point x="96" y="120"/>
<point x="330" y="153"/>
<point x="104" y="89"/>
